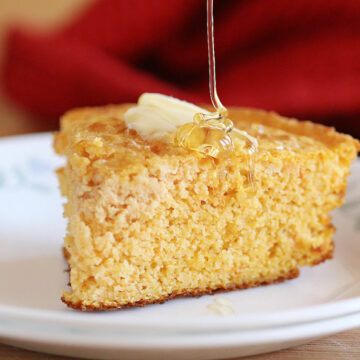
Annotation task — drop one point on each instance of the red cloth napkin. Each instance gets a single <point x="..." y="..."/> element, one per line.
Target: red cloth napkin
<point x="296" y="57"/>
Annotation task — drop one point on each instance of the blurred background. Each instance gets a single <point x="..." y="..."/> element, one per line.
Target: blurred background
<point x="300" y="58"/>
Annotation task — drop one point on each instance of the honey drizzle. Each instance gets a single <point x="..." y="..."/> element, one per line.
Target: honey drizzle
<point x="209" y="133"/>
<point x="221" y="111"/>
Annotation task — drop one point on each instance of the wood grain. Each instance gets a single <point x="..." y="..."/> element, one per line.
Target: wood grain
<point x="45" y="13"/>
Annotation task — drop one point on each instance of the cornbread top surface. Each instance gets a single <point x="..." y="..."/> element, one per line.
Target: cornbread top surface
<point x="100" y="135"/>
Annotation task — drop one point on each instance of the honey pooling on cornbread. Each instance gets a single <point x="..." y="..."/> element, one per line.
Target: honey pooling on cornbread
<point x="210" y="137"/>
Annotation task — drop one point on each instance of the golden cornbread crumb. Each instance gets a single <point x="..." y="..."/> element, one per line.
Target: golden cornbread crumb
<point x="150" y="221"/>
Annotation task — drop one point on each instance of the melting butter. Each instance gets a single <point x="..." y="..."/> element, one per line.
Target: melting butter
<point x="157" y="115"/>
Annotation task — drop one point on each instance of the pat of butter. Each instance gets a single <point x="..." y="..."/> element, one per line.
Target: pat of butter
<point x="157" y="115"/>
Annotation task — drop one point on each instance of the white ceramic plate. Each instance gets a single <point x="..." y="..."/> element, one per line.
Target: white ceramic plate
<point x="94" y="343"/>
<point x="32" y="270"/>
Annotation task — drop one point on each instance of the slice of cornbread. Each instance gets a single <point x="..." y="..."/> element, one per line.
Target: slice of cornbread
<point x="149" y="221"/>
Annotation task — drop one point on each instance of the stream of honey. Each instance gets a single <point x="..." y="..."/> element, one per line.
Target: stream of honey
<point x="212" y="133"/>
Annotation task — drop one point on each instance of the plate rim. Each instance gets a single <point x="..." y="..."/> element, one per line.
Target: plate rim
<point x="204" y="339"/>
<point x="213" y="323"/>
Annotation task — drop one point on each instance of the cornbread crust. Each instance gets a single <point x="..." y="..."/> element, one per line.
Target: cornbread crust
<point x="297" y="187"/>
<point x="293" y="274"/>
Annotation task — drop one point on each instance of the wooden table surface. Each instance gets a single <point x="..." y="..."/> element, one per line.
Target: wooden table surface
<point x="344" y="346"/>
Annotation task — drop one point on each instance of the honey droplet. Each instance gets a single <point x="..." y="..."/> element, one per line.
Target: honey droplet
<point x="206" y="140"/>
